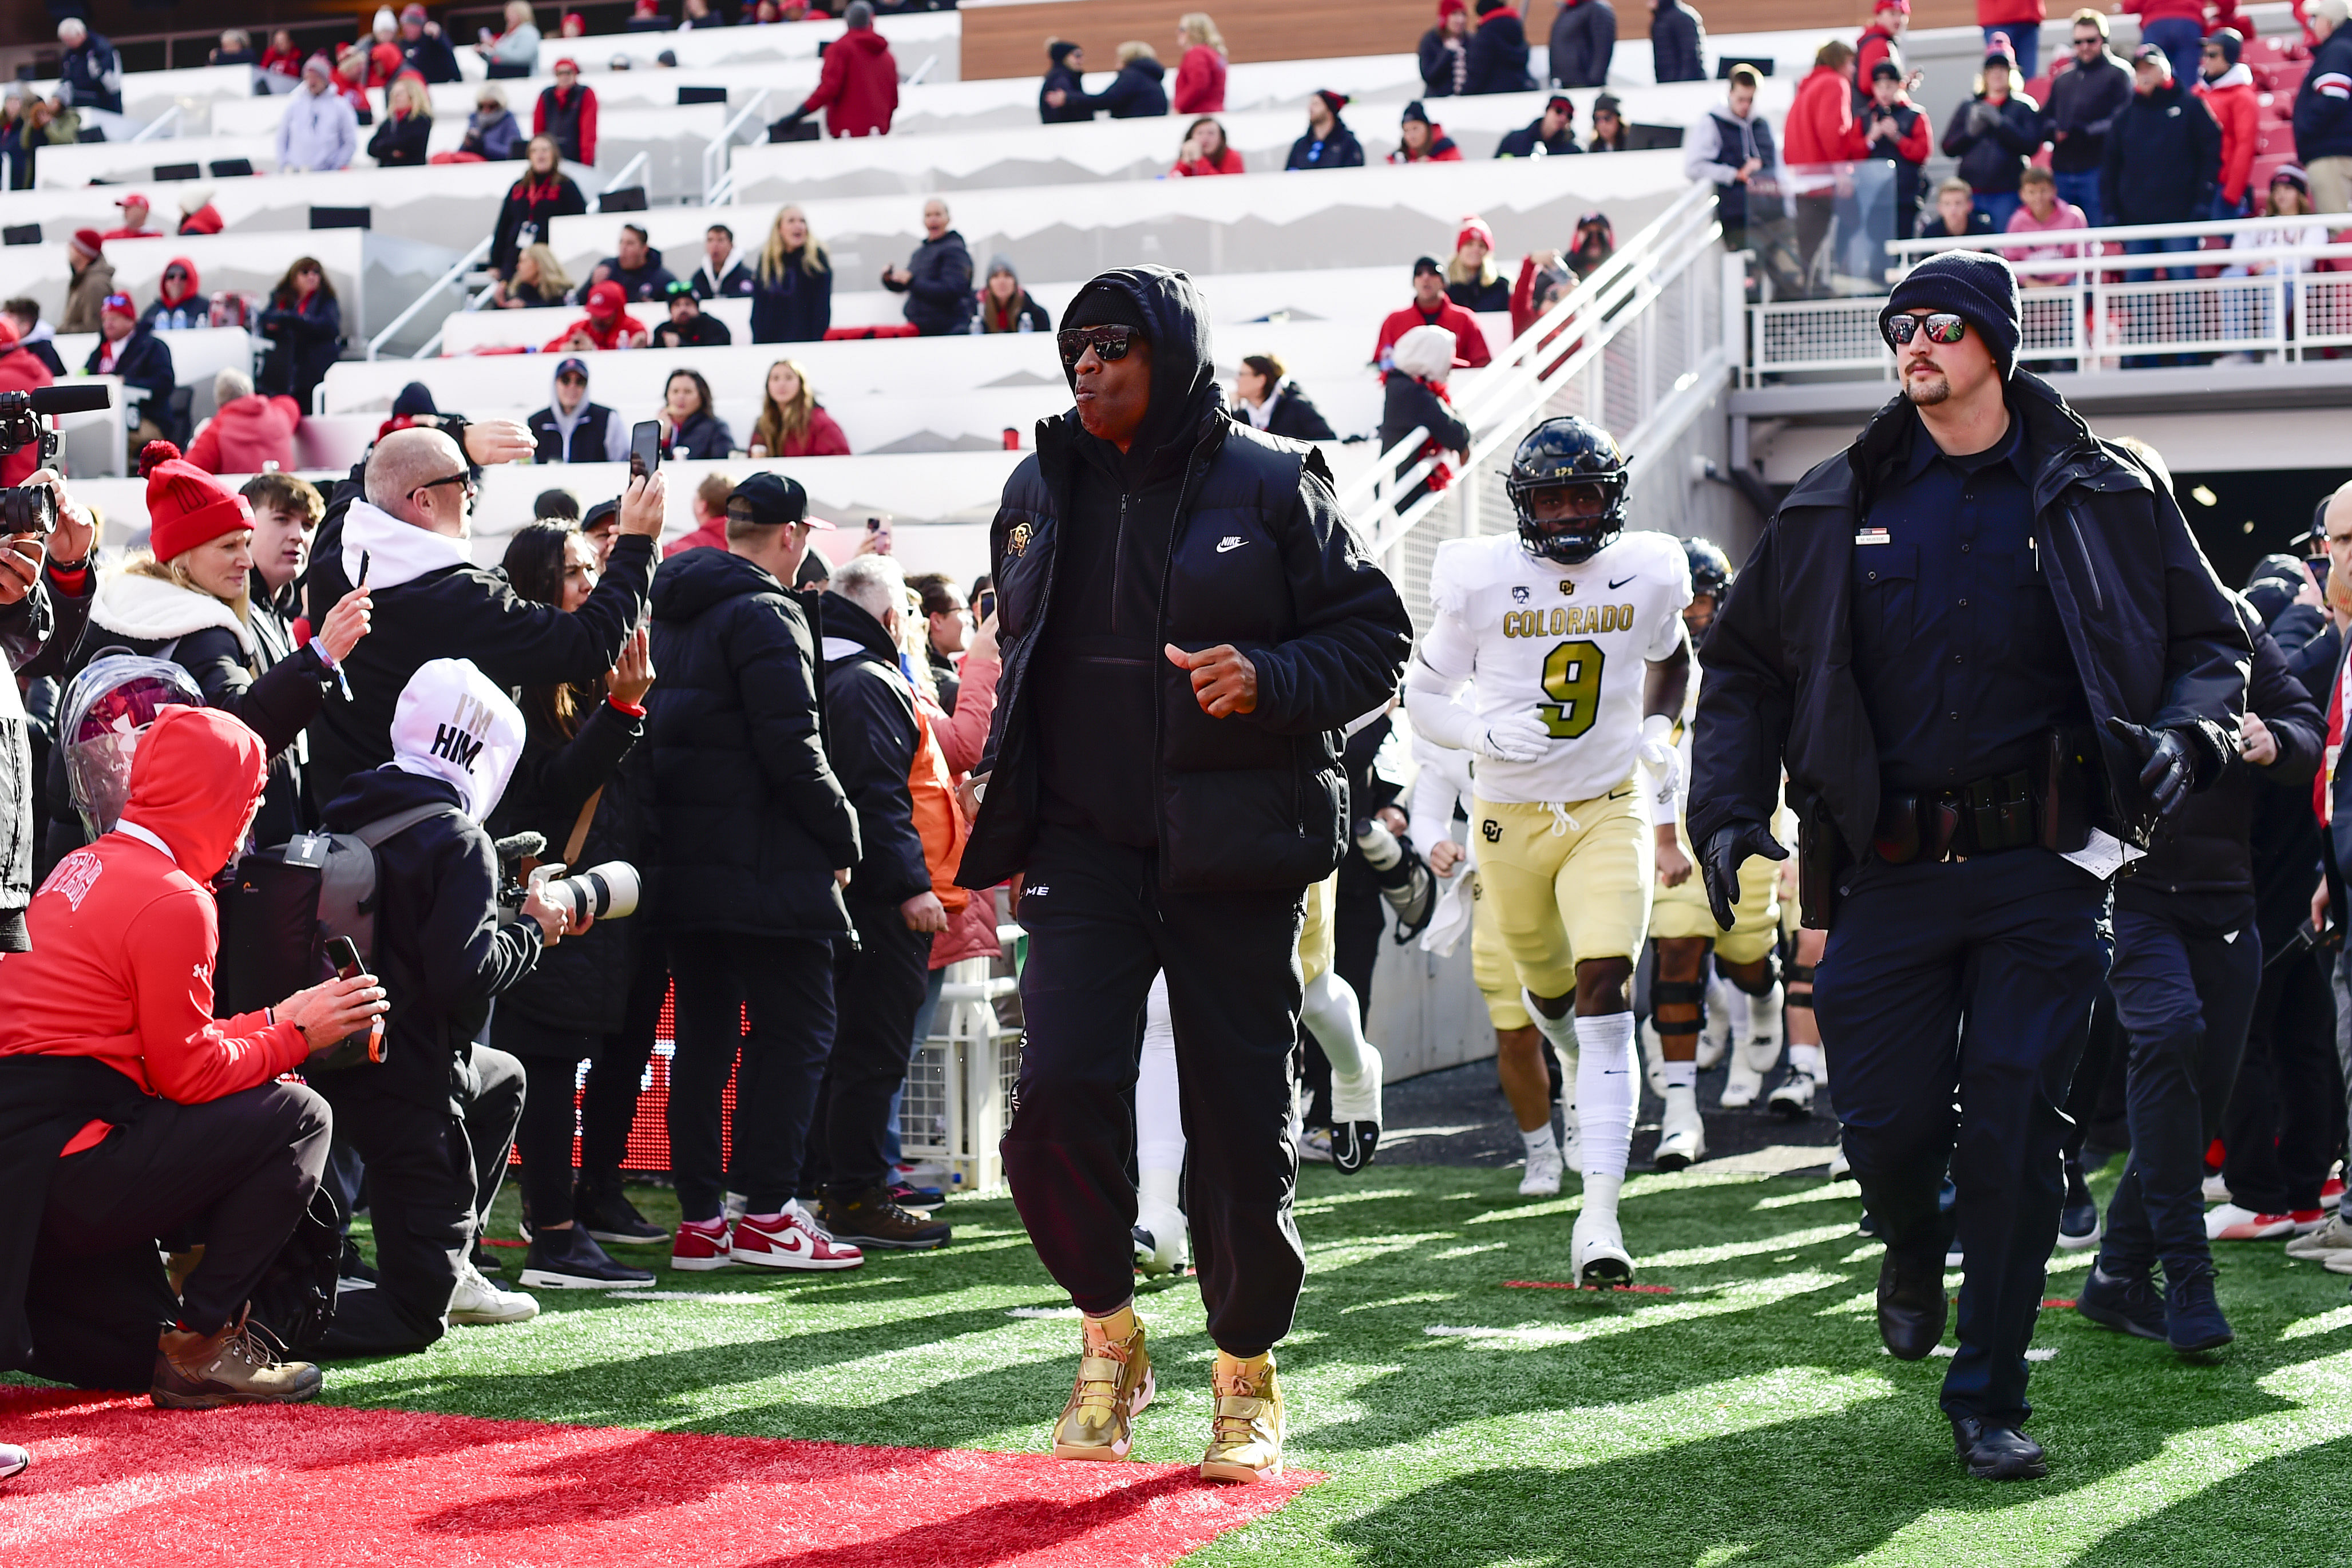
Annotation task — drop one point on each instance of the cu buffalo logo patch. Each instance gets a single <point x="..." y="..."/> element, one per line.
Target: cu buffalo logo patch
<point x="1017" y="542"/>
<point x="1492" y="829"/>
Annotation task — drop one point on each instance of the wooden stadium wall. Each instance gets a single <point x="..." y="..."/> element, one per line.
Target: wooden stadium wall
<point x="1009" y="41"/>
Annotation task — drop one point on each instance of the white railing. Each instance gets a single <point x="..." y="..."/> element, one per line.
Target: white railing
<point x="718" y="178"/>
<point x="635" y="169"/>
<point x="2104" y="310"/>
<point x="454" y="278"/>
<point x="164" y="124"/>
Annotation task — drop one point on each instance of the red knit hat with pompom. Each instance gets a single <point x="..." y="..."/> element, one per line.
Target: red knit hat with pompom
<point x="186" y="506"/>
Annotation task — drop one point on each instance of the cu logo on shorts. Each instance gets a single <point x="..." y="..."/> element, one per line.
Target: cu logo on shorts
<point x="1492" y="829"/>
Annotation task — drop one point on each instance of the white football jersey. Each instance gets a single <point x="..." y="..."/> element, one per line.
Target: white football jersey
<point x="1570" y="643"/>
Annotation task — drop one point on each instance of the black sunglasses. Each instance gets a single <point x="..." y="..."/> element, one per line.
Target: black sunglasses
<point x="1109" y="343"/>
<point x="460" y="478"/>
<point x="1941" y="329"/>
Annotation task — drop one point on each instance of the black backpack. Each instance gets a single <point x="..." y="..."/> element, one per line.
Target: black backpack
<point x="295" y="1301"/>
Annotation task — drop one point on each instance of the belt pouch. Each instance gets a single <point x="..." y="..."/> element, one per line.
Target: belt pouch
<point x="2062" y="788"/>
<point x="1821" y="857"/>
<point x="1896" y="839"/>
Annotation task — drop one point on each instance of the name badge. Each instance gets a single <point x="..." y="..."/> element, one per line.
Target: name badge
<point x="1874" y="536"/>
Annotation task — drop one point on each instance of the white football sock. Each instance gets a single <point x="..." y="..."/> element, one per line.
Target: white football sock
<point x="1540" y="1142"/>
<point x="1328" y="1008"/>
<point x="1809" y="1060"/>
<point x="1764" y="1014"/>
<point x="1605" y="1101"/>
<point x="1681" y="1075"/>
<point x="1561" y="1031"/>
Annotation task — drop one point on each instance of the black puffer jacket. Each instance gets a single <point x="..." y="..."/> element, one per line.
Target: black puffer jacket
<point x="2163" y="159"/>
<point x="2155" y="638"/>
<point x="1258" y="556"/>
<point x="704" y="434"/>
<point x="1583" y="42"/>
<point x="938" y="288"/>
<point x="439" y="949"/>
<point x="1992" y="140"/>
<point x="36" y="635"/>
<point x="1061" y="78"/>
<point x="580" y="988"/>
<point x="1498" y="54"/>
<point x="870" y="737"/>
<point x="1294" y="416"/>
<point x="748" y="822"/>
<point x="1135" y="93"/>
<point x="2206" y="850"/>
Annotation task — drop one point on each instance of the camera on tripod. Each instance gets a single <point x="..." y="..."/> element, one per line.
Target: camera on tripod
<point x="33" y="509"/>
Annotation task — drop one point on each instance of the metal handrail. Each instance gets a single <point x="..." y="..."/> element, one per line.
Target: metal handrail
<point x="715" y="156"/>
<point x="154" y="129"/>
<point x="922" y="70"/>
<point x="1909" y="249"/>
<point x="636" y="167"/>
<point x="450" y="279"/>
<point x="1595" y="310"/>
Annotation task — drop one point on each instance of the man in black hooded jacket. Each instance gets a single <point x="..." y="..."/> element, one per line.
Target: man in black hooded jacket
<point x="1990" y="656"/>
<point x="1187" y="622"/>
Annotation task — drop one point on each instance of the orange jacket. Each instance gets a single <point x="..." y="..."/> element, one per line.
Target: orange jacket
<point x="938" y="819"/>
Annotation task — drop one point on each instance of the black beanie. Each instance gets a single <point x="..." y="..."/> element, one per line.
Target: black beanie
<point x="1107" y="305"/>
<point x="1977" y="287"/>
<point x="1060" y="50"/>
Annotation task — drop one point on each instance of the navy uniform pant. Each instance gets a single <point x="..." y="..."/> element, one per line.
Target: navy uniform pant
<point x="1100" y="926"/>
<point x="1967" y="981"/>
<point x="2184" y="996"/>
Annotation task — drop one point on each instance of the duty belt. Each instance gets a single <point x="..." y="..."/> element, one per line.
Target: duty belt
<point x="1983" y="818"/>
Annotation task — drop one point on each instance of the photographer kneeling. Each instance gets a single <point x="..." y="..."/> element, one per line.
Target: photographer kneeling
<point x="435" y="1119"/>
<point x="128" y="1113"/>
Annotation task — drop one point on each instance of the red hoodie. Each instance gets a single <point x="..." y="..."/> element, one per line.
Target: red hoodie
<point x="2234" y="104"/>
<point x="1200" y="81"/>
<point x="206" y="219"/>
<point x="1820" y="127"/>
<point x="124" y="934"/>
<point x="607" y="323"/>
<point x="1877" y="44"/>
<point x="859" y="89"/>
<point x="1469" y="338"/>
<point x="20" y="371"/>
<point x="246" y="434"/>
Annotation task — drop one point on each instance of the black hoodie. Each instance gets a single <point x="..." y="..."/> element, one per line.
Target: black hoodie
<point x="870" y="737"/>
<point x="1206" y="532"/>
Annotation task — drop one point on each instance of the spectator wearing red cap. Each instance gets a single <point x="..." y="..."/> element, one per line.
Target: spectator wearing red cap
<point x="129" y="348"/>
<point x="1446" y="51"/>
<point x="2014" y="27"/>
<point x="135" y="220"/>
<point x="1583" y="42"/>
<point x="858" y="86"/>
<point x="1329" y="143"/>
<point x="92" y="279"/>
<point x="1472" y="280"/>
<point x="188" y="599"/>
<point x="567" y="113"/>
<point x="607" y="324"/>
<point x="250" y="433"/>
<point x="20" y="371"/>
<point x="1550" y="135"/>
<point x="575" y="25"/>
<point x="544" y="194"/>
<point x="1882" y="40"/>
<point x="1419" y="142"/>
<point x="1431" y="308"/>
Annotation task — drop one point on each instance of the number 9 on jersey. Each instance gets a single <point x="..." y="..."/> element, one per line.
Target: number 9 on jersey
<point x="1572" y="679"/>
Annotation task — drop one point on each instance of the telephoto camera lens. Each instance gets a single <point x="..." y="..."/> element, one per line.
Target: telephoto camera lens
<point x="605" y="891"/>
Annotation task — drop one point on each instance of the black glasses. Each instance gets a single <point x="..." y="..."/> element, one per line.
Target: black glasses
<point x="1941" y="329"/>
<point x="460" y="478"/>
<point x="2088" y="42"/>
<point x="1109" y="343"/>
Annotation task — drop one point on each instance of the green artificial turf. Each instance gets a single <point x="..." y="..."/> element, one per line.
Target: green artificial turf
<point x="1749" y="1417"/>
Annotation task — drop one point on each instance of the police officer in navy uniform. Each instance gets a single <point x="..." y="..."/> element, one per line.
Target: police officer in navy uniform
<point x="1990" y="658"/>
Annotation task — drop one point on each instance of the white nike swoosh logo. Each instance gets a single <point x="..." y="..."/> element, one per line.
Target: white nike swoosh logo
<point x="1231" y="544"/>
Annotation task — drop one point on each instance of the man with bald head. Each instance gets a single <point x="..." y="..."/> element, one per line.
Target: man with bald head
<point x="405" y="517"/>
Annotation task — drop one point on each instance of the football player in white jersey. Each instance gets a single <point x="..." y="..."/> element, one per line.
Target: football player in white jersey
<point x="1570" y="637"/>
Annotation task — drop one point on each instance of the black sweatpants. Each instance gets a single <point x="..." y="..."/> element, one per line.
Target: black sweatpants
<point x="2183" y="997"/>
<point x="430" y="1175"/>
<point x="2285" y="1117"/>
<point x="234" y="1174"/>
<point x="787" y="983"/>
<point x="543" y="1137"/>
<point x="616" y="1074"/>
<point x="1970" y="981"/>
<point x="880" y="985"/>
<point x="1100" y="926"/>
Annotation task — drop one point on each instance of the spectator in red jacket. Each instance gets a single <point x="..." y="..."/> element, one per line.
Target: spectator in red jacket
<point x="709" y="515"/>
<point x="1821" y="134"/>
<point x="792" y="423"/>
<point x="1421" y="142"/>
<point x="2020" y="22"/>
<point x="858" y="88"/>
<point x="1882" y="40"/>
<point x="134" y="219"/>
<point x="607" y="324"/>
<point x="1431" y="308"/>
<point x="2227" y="88"/>
<point x="250" y="433"/>
<point x="1201" y="68"/>
<point x="281" y="58"/>
<point x="157" y="1117"/>
<point x="1897" y="131"/>
<point x="1206" y="152"/>
<point x="567" y="113"/>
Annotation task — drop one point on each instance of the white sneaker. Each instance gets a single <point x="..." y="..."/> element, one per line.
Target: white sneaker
<point x="2216" y="1189"/>
<point x="1654" y="1058"/>
<point x="477" y="1300"/>
<point x="2231" y="1222"/>
<point x="1599" y="1252"/>
<point x="1794" y="1098"/>
<point x="1544" y="1174"/>
<point x="1741" y="1085"/>
<point x="2330" y="1240"/>
<point x="1356" y="1114"/>
<point x="1723" y="1002"/>
<point x="1681" y="1137"/>
<point x="1840" y="1168"/>
<point x="1159" y="1240"/>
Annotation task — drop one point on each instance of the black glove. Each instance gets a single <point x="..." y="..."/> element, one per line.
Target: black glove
<point x="1726" y="851"/>
<point x="2167" y="771"/>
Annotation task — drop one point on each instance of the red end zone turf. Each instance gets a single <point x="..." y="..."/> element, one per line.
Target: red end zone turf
<point x="118" y="1484"/>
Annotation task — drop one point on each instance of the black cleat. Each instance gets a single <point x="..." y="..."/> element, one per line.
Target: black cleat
<point x="1352" y="1144"/>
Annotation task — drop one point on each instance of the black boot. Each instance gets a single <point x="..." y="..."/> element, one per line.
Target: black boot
<point x="570" y="1259"/>
<point x="1997" y="1453"/>
<point x="2192" y="1317"/>
<point x="1911" y="1306"/>
<point x="603" y="1210"/>
<point x="866" y="1218"/>
<point x="2124" y="1301"/>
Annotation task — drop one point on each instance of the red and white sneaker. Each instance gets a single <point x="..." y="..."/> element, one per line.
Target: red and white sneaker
<point x="791" y="1240"/>
<point x="2308" y="1220"/>
<point x="700" y="1244"/>
<point x="2229" y="1221"/>
<point x="2330" y="1192"/>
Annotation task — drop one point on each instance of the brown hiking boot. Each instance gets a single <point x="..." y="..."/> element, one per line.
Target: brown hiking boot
<point x="866" y="1217"/>
<point x="198" y="1372"/>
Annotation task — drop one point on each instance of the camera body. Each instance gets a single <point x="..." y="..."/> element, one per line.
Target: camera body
<point x="33" y="509"/>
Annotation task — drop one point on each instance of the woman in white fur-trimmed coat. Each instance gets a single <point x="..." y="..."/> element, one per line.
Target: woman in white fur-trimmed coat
<point x="188" y="599"/>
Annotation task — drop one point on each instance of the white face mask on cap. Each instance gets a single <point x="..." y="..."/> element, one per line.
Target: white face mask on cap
<point x="453" y="724"/>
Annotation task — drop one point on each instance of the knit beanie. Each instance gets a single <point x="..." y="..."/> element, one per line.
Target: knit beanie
<point x="1474" y="227"/>
<point x="1974" y="285"/>
<point x="1107" y="305"/>
<point x="1059" y="50"/>
<point x="1334" y="102"/>
<point x="186" y="506"/>
<point x="2232" y="43"/>
<point x="1412" y="111"/>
